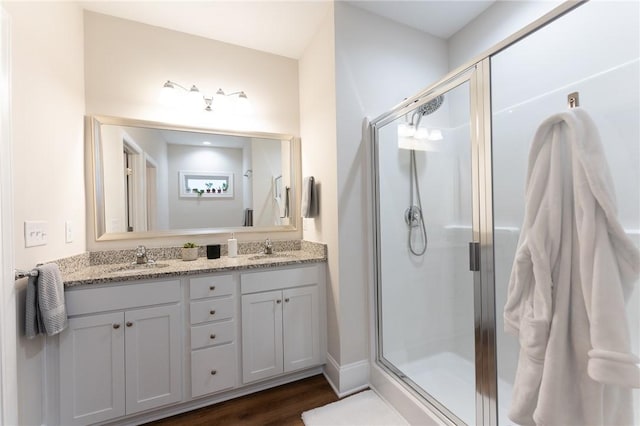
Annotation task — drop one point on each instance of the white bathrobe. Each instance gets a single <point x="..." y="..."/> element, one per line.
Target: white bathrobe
<point x="573" y="270"/>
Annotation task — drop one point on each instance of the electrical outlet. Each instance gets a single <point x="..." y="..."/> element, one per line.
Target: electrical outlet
<point x="68" y="232"/>
<point x="35" y="233"/>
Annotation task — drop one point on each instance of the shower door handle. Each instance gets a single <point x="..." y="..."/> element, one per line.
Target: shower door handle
<point x="474" y="256"/>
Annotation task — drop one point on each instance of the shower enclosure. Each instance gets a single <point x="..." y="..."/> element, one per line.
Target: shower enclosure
<point x="459" y="172"/>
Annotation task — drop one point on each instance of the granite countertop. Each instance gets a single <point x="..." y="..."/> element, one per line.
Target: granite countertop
<point x="119" y="272"/>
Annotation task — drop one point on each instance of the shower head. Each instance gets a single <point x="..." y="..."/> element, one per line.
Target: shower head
<point x="431" y="106"/>
<point x="426" y="109"/>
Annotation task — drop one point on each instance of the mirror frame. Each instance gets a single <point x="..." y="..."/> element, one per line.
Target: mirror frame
<point x="95" y="182"/>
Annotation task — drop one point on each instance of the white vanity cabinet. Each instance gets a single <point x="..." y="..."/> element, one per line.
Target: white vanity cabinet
<point x="213" y="333"/>
<point x="137" y="350"/>
<point x="121" y="353"/>
<point x="283" y="321"/>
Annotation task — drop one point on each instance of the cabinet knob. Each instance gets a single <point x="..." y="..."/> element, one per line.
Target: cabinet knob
<point x="213" y="336"/>
<point x="214" y="372"/>
<point x="212" y="287"/>
<point x="212" y="312"/>
<point x="286" y="300"/>
<point x="129" y="323"/>
<point x="116" y="326"/>
<point x="278" y="301"/>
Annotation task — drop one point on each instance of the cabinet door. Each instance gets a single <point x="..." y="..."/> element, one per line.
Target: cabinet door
<point x="92" y="373"/>
<point x="213" y="369"/>
<point x="153" y="363"/>
<point x="301" y="328"/>
<point x="261" y="335"/>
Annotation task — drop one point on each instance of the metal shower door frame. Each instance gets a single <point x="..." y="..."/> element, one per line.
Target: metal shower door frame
<point x="478" y="78"/>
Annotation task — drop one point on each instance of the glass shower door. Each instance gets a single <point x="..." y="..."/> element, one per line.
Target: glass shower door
<point x="425" y="289"/>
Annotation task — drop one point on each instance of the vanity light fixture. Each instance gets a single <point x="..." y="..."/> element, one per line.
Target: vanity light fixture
<point x="172" y="91"/>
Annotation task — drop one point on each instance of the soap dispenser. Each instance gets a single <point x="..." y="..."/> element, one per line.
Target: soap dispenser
<point x="232" y="246"/>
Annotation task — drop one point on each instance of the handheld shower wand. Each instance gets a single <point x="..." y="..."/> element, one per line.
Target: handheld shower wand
<point x="413" y="215"/>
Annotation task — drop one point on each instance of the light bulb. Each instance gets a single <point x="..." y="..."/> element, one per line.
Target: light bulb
<point x="243" y="105"/>
<point x="220" y="100"/>
<point x="406" y="130"/>
<point x="168" y="94"/>
<point x="421" y="133"/>
<point x="436" y="135"/>
<point x="194" y="98"/>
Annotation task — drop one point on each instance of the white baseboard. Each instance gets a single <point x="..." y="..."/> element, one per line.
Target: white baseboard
<point x="347" y="379"/>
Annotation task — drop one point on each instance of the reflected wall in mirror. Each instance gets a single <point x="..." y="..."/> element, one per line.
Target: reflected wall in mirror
<point x="156" y="179"/>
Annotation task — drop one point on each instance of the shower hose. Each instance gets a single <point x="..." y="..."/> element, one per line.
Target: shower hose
<point x="413" y="216"/>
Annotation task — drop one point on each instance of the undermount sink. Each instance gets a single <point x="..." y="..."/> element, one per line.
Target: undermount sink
<point x="135" y="267"/>
<point x="269" y="256"/>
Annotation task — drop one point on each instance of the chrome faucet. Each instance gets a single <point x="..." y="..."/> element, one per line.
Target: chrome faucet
<point x="141" y="255"/>
<point x="268" y="246"/>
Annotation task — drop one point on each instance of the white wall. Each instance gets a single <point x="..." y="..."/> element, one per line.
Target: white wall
<point x="47" y="87"/>
<point x="493" y="25"/>
<point x="378" y="64"/>
<point x="47" y="139"/>
<point x="126" y="64"/>
<point x="316" y="71"/>
<point x="375" y="66"/>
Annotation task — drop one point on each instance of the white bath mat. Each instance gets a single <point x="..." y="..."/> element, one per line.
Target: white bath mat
<point x="362" y="409"/>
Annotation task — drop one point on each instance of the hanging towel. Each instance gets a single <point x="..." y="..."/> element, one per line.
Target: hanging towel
<point x="574" y="267"/>
<point x="45" y="310"/>
<point x="248" y="217"/>
<point x="286" y="202"/>
<point x="308" y="207"/>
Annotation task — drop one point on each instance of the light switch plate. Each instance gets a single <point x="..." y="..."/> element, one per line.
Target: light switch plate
<point x="35" y="233"/>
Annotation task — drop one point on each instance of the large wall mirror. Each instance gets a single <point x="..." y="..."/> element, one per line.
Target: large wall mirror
<point x="154" y="179"/>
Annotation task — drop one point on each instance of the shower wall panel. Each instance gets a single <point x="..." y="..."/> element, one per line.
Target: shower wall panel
<point x="567" y="55"/>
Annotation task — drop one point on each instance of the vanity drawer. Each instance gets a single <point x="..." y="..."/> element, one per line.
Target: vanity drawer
<point x="213" y="369"/>
<point x="212" y="334"/>
<point x="212" y="286"/>
<point x="211" y="310"/>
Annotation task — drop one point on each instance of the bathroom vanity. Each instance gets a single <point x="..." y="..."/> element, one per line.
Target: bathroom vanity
<point x="155" y="342"/>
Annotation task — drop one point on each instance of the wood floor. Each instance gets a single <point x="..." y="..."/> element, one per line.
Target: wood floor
<point x="282" y="405"/>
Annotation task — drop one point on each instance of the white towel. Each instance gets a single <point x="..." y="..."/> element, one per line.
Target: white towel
<point x="45" y="310"/>
<point x="573" y="269"/>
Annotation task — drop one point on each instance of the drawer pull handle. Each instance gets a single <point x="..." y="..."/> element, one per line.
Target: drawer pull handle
<point x="129" y="323"/>
<point x="116" y="326"/>
<point x="278" y="301"/>
<point x="212" y="312"/>
<point x="286" y="300"/>
<point x="213" y="336"/>
<point x="212" y="287"/>
<point x="214" y="372"/>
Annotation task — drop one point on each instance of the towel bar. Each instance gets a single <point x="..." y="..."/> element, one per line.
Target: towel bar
<point x="24" y="274"/>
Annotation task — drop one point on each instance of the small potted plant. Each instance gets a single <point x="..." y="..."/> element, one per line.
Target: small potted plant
<point x="198" y="191"/>
<point x="209" y="185"/>
<point x="189" y="251"/>
<point x="224" y="186"/>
